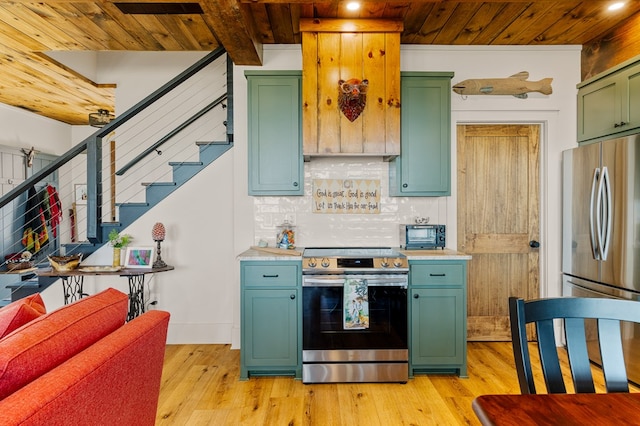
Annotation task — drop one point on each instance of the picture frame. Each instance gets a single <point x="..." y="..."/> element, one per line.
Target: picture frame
<point x="80" y="193"/>
<point x="139" y="257"/>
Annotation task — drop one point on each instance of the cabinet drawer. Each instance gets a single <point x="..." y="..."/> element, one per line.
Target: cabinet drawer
<point x="270" y="275"/>
<point x="437" y="274"/>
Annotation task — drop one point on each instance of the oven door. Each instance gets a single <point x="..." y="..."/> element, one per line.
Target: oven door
<point x="323" y="318"/>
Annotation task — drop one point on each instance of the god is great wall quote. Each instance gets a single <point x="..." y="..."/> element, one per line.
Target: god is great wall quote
<point x="351" y="196"/>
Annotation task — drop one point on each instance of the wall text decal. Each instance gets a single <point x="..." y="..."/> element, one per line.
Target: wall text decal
<point x="350" y="196"/>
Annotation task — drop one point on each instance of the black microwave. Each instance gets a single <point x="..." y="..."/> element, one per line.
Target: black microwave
<point x="422" y="236"/>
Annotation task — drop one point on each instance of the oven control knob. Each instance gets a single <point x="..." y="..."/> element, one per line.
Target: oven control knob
<point x="325" y="262"/>
<point x="385" y="262"/>
<point x="397" y="262"/>
<point x="312" y="263"/>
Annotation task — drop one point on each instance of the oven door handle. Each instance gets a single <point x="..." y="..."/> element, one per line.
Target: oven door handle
<point x="401" y="281"/>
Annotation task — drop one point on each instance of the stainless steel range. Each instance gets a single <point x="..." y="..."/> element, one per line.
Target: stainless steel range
<point x="355" y="315"/>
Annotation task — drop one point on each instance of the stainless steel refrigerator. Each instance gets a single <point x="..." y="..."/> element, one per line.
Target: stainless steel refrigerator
<point x="601" y="231"/>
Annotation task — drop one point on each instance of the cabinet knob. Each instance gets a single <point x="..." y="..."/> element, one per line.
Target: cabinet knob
<point x="404" y="185"/>
<point x="295" y="184"/>
<point x="416" y="296"/>
<point x="534" y="244"/>
<point x="293" y="296"/>
<point x="620" y="124"/>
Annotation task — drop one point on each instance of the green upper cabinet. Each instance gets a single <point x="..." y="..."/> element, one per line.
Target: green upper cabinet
<point x="275" y="133"/>
<point x="609" y="105"/>
<point x="423" y="168"/>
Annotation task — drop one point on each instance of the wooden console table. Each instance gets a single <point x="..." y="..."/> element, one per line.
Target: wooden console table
<point x="72" y="282"/>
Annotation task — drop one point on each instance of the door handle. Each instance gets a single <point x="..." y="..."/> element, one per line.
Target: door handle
<point x="608" y="214"/>
<point x="592" y="230"/>
<point x="534" y="244"/>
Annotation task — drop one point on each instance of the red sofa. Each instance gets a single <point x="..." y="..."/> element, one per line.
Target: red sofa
<point x="80" y="364"/>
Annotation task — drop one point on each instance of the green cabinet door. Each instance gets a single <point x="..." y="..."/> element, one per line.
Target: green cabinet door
<point x="437" y="327"/>
<point x="599" y="109"/>
<point x="423" y="167"/>
<point x="631" y="98"/>
<point x="275" y="133"/>
<point x="270" y="331"/>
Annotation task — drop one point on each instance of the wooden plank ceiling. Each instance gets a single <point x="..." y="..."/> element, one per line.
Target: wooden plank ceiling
<point x="28" y="30"/>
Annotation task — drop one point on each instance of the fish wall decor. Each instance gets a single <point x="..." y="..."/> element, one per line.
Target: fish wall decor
<point x="352" y="97"/>
<point x="517" y="85"/>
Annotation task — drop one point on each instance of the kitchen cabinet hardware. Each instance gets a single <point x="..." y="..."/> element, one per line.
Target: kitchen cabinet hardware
<point x="270" y="276"/>
<point x="622" y="123"/>
<point x="534" y="244"/>
<point x="292" y="297"/>
<point x="437" y="275"/>
<point x="416" y="296"/>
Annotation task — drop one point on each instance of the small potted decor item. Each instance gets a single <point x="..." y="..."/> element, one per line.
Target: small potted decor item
<point x="118" y="242"/>
<point x="17" y="262"/>
<point x="65" y="263"/>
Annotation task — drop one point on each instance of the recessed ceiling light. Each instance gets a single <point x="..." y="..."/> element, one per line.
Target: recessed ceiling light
<point x="616" y="5"/>
<point x="353" y="5"/>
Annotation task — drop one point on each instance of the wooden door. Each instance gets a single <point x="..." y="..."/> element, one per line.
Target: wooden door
<point x="498" y="218"/>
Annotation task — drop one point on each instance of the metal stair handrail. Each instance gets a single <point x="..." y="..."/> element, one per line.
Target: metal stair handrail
<point x="168" y="136"/>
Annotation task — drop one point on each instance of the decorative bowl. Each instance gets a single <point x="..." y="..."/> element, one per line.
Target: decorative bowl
<point x="65" y="263"/>
<point x="16" y="265"/>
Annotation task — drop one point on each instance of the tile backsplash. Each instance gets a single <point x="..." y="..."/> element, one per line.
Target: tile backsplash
<point x="340" y="230"/>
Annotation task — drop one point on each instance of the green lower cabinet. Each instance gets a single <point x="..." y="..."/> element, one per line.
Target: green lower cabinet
<point x="270" y="319"/>
<point x="438" y="319"/>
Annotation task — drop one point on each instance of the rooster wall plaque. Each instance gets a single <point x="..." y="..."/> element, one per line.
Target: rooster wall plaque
<point x="353" y="97"/>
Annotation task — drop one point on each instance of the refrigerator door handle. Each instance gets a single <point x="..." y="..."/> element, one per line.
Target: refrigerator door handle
<point x="592" y="231"/>
<point x="608" y="216"/>
<point x="600" y="213"/>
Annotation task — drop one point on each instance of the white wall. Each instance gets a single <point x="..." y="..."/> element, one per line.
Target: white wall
<point x="212" y="219"/>
<point x="23" y="129"/>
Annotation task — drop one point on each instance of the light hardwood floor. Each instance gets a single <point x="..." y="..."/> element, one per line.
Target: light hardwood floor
<point x="201" y="386"/>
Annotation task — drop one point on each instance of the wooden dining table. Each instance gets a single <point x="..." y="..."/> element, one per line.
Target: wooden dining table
<point x="559" y="409"/>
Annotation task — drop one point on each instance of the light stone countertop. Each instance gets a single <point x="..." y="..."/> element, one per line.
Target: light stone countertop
<point x="435" y="254"/>
<point x="252" y="254"/>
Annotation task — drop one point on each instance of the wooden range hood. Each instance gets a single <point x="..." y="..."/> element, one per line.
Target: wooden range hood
<point x="338" y="49"/>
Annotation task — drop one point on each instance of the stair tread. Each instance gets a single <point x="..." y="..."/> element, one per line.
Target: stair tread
<point x="212" y="143"/>
<point x="136" y="204"/>
<point x="159" y="184"/>
<point x="186" y="163"/>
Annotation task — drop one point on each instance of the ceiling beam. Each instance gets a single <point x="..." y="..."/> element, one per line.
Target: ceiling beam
<point x="234" y="28"/>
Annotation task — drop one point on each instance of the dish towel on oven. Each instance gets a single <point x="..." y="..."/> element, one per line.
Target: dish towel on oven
<point x="356" y="304"/>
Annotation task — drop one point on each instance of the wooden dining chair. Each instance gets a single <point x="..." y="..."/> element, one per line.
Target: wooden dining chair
<point x="573" y="310"/>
